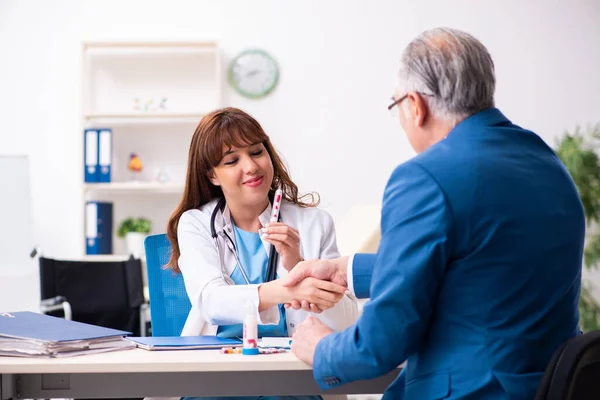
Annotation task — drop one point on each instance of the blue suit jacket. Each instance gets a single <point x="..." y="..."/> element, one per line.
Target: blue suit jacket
<point x="477" y="277"/>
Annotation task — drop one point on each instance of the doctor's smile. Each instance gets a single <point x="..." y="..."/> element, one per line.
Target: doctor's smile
<point x="254" y="182"/>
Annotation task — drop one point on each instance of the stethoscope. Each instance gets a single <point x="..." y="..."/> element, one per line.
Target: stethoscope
<point x="273" y="256"/>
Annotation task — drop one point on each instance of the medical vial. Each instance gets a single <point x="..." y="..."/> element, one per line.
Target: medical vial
<point x="250" y="344"/>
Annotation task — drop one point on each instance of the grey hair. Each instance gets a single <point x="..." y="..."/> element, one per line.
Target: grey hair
<point x="453" y="71"/>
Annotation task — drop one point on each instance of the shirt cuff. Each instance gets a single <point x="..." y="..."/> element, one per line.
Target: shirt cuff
<point x="322" y="365"/>
<point x="350" y="274"/>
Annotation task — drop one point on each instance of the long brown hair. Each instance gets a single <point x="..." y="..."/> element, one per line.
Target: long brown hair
<point x="225" y="127"/>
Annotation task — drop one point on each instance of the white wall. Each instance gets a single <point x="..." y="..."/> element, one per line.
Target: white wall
<point x="328" y="116"/>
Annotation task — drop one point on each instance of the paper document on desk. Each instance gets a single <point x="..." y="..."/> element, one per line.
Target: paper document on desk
<point x="28" y="334"/>
<point x="276" y="342"/>
<point x="183" y="342"/>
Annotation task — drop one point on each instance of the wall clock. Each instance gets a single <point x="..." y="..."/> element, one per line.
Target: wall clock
<point x="253" y="73"/>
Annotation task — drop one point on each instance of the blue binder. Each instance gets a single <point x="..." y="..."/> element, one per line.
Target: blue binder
<point x="98" y="227"/>
<point x="90" y="155"/>
<point x="97" y="151"/>
<point x="104" y="154"/>
<point x="33" y="326"/>
<point x="183" y="342"/>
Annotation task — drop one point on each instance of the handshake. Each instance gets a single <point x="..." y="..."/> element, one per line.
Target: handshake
<point x="316" y="285"/>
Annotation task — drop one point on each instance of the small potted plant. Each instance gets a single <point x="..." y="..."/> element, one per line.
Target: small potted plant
<point x="134" y="230"/>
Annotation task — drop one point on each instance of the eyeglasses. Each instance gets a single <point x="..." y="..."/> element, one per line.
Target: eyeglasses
<point x="391" y="107"/>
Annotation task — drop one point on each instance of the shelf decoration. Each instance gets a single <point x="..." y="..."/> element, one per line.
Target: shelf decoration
<point x="149" y="105"/>
<point x="135" y="166"/>
<point x="163" y="176"/>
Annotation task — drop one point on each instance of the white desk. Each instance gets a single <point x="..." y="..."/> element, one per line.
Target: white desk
<point x="141" y="373"/>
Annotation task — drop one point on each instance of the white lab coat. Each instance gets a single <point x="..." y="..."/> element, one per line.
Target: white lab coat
<point x="217" y="302"/>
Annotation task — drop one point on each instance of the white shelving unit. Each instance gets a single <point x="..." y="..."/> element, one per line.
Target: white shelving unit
<point x="136" y="118"/>
<point x="152" y="96"/>
<point x="135" y="187"/>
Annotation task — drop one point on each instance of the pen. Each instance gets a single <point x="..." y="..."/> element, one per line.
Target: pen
<point x="275" y="210"/>
<point x="272" y="272"/>
<point x="276" y="205"/>
<point x="272" y="269"/>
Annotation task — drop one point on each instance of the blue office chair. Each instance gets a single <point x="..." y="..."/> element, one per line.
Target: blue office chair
<point x="169" y="302"/>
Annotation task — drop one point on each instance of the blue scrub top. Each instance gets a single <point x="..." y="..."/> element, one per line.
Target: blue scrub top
<point x="255" y="261"/>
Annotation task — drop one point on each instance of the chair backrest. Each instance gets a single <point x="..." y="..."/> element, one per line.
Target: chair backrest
<point x="574" y="370"/>
<point x="169" y="302"/>
<point x="104" y="293"/>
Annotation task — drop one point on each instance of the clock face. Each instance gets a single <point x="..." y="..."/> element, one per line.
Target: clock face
<point x="253" y="73"/>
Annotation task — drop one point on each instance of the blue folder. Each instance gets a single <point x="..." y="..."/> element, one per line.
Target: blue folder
<point x="98" y="227"/>
<point x="45" y="328"/>
<point x="90" y="156"/>
<point x="104" y="154"/>
<point x="97" y="143"/>
<point x="183" y="342"/>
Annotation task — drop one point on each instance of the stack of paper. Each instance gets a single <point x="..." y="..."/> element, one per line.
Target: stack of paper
<point x="27" y="334"/>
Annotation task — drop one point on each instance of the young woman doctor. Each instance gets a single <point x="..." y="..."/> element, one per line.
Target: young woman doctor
<point x="233" y="172"/>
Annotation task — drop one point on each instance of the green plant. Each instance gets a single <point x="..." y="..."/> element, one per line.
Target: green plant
<point x="578" y="153"/>
<point x="142" y="225"/>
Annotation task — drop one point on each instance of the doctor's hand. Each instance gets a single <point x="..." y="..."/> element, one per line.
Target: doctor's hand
<point x="307" y="337"/>
<point x="286" y="241"/>
<point x="334" y="270"/>
<point x="321" y="294"/>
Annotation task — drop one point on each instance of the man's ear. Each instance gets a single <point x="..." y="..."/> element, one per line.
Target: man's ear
<point x="417" y="108"/>
<point x="213" y="179"/>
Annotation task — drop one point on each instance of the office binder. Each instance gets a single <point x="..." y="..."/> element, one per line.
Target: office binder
<point x="98" y="227"/>
<point x="90" y="167"/>
<point x="104" y="155"/>
<point x="29" y="334"/>
<point x="183" y="342"/>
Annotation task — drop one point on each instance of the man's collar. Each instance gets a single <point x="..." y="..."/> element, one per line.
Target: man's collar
<point x="488" y="117"/>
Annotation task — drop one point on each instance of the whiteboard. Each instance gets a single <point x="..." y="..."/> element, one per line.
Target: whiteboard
<point x="19" y="277"/>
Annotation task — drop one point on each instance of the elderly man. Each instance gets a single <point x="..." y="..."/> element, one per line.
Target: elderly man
<point x="477" y="277"/>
